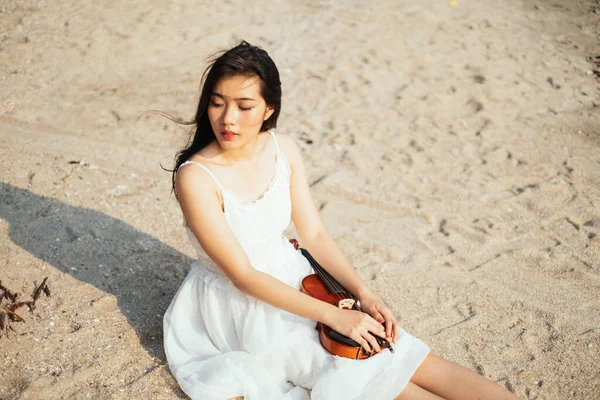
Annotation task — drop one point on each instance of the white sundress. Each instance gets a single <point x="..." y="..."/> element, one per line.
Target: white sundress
<point x="222" y="343"/>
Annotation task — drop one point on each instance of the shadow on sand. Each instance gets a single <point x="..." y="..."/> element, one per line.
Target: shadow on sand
<point x="142" y="272"/>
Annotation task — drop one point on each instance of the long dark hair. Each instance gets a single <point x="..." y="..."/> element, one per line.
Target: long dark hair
<point x="243" y="59"/>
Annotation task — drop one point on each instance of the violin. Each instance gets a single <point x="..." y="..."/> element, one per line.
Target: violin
<point x="321" y="285"/>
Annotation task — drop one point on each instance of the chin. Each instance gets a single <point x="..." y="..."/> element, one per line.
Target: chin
<point x="230" y="144"/>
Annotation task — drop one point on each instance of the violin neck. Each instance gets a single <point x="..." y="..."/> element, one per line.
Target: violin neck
<point x="334" y="286"/>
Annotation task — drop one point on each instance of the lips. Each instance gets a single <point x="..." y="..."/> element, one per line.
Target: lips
<point x="229" y="135"/>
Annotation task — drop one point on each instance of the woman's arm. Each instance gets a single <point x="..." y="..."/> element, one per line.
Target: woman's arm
<point x="198" y="197"/>
<point x="314" y="237"/>
<point x="312" y="234"/>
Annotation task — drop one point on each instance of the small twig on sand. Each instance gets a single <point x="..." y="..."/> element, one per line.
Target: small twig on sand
<point x="318" y="180"/>
<point x="12" y="314"/>
<point x="589" y="331"/>
<point x="8" y="293"/>
<point x="39" y="289"/>
<point x="485" y="124"/>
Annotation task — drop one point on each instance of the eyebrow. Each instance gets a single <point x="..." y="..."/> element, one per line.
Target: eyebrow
<point x="238" y="98"/>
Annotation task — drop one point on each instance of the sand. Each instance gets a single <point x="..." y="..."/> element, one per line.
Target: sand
<point x="454" y="155"/>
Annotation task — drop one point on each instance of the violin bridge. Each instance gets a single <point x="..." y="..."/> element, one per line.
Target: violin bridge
<point x="346" y="303"/>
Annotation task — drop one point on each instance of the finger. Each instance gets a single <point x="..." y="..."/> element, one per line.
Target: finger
<point x="389" y="321"/>
<point x="376" y="328"/>
<point x="374" y="313"/>
<point x="391" y="325"/>
<point x="365" y="345"/>
<point x="379" y="317"/>
<point x="373" y="326"/>
<point x="372" y="341"/>
<point x="396" y="331"/>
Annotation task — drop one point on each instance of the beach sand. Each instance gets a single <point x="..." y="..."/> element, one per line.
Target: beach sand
<point x="453" y="150"/>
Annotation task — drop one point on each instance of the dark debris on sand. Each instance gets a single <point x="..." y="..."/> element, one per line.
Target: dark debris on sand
<point x="8" y="313"/>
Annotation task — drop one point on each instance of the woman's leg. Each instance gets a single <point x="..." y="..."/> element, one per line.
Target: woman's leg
<point x="415" y="392"/>
<point x="454" y="382"/>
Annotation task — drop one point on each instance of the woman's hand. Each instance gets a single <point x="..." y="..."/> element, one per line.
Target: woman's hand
<point x="373" y="305"/>
<point x="359" y="326"/>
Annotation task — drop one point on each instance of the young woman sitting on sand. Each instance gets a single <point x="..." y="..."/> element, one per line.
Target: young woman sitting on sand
<point x="239" y="325"/>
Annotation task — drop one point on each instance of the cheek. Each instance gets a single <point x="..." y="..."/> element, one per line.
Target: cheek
<point x="255" y="116"/>
<point x="213" y="114"/>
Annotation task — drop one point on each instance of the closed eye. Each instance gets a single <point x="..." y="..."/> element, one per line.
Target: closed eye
<point x="217" y="105"/>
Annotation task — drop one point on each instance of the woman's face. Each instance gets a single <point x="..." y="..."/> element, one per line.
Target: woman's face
<point x="237" y="110"/>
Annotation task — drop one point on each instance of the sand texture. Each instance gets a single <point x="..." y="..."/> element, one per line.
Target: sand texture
<point x="453" y="150"/>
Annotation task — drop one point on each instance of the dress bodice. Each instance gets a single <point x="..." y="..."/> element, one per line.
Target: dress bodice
<point x="258" y="226"/>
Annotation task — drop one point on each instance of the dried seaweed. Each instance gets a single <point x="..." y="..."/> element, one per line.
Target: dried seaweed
<point x="9" y="311"/>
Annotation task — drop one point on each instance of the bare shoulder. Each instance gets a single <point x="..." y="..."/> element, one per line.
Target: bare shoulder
<point x="193" y="180"/>
<point x="290" y="148"/>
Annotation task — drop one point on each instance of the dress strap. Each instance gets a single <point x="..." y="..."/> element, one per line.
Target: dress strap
<point x="206" y="169"/>
<point x="272" y="132"/>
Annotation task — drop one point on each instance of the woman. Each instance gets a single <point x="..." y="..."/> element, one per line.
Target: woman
<point x="238" y="325"/>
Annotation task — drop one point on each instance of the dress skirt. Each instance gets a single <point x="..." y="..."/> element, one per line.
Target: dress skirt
<point x="221" y="343"/>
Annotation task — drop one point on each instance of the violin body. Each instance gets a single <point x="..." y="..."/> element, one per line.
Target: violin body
<point x="322" y="286"/>
<point x="314" y="287"/>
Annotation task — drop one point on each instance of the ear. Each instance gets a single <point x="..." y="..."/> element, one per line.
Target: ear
<point x="270" y="110"/>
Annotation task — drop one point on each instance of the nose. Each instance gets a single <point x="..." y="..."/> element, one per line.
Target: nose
<point x="229" y="115"/>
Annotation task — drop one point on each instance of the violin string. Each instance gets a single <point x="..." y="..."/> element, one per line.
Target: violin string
<point x="336" y="288"/>
<point x="333" y="285"/>
<point x="324" y="275"/>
